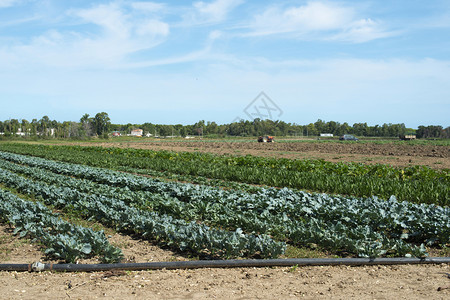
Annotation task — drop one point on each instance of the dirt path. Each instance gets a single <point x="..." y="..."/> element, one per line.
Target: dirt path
<point x="338" y="282"/>
<point x="341" y="282"/>
<point x="436" y="157"/>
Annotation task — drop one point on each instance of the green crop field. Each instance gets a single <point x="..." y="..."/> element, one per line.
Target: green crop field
<point x="367" y="211"/>
<point x="415" y="184"/>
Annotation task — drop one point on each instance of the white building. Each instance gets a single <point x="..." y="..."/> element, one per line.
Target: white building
<point x="137" y="132"/>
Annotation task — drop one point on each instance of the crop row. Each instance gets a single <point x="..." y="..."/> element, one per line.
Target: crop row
<point x="360" y="240"/>
<point x="366" y="227"/>
<point x="179" y="234"/>
<point x="62" y="239"/>
<point x="414" y="184"/>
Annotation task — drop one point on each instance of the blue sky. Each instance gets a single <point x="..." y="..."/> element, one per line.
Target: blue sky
<point x="183" y="61"/>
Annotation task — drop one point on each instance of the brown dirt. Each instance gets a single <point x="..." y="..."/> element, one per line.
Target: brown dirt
<point x="398" y="155"/>
<point x="384" y="282"/>
<point x="337" y="282"/>
<point x="16" y="250"/>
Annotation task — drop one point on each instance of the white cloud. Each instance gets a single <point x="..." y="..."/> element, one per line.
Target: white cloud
<point x="318" y="16"/>
<point x="148" y="6"/>
<point x="216" y="11"/>
<point x="363" y="30"/>
<point x="203" y="54"/>
<point x="317" y="20"/>
<point x="16" y="22"/>
<point x="116" y="22"/>
<point x="110" y="17"/>
<point x="8" y="3"/>
<point x="113" y="32"/>
<point x="153" y="28"/>
<point x="215" y="34"/>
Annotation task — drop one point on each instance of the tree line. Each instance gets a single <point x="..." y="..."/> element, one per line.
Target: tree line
<point x="100" y="125"/>
<point x="259" y="127"/>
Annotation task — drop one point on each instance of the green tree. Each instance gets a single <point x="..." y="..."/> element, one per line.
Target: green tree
<point x="86" y="125"/>
<point x="360" y="129"/>
<point x="44" y="126"/>
<point x="101" y="123"/>
<point x="320" y="126"/>
<point x="34" y="127"/>
<point x="24" y="126"/>
<point x="15" y="125"/>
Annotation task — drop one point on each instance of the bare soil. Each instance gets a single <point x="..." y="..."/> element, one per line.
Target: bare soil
<point x="436" y="157"/>
<point x="337" y="282"/>
<point x="341" y="282"/>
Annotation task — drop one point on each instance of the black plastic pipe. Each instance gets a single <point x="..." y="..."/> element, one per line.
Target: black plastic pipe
<point x="236" y="263"/>
<point x="14" y="267"/>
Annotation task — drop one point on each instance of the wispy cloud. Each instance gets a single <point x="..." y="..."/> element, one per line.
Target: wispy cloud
<point x="8" y="3"/>
<point x="16" y="22"/>
<point x="202" y="54"/>
<point x="184" y="58"/>
<point x="148" y="6"/>
<point x="110" y="33"/>
<point x="317" y="20"/>
<point x="363" y="30"/>
<point x="212" y="12"/>
<point x="113" y="19"/>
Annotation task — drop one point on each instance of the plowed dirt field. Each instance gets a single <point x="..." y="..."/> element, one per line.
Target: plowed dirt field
<point x="400" y="155"/>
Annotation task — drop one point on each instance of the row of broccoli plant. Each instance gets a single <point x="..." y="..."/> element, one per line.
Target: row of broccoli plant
<point x="367" y="227"/>
<point x="283" y="200"/>
<point x="61" y="239"/>
<point x="197" y="238"/>
<point x="361" y="240"/>
<point x="337" y="240"/>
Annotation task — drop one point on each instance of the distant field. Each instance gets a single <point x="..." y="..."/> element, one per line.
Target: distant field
<point x="433" y="154"/>
<point x="362" y="140"/>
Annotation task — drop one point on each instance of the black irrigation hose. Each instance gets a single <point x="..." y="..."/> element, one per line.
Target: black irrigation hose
<point x="235" y="263"/>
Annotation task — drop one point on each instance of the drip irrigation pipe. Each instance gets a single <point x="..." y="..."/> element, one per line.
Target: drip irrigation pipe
<point x="236" y="263"/>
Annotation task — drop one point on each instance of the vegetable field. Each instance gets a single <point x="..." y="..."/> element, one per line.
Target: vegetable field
<point x="416" y="184"/>
<point x="209" y="221"/>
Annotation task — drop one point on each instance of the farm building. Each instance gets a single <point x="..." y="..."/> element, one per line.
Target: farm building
<point x="137" y="132"/>
<point x="116" y="133"/>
